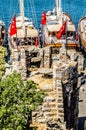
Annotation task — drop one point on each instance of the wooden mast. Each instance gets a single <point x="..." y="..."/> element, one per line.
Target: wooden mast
<point x="58" y="9"/>
<point x="57" y="6"/>
<point x="22" y="14"/>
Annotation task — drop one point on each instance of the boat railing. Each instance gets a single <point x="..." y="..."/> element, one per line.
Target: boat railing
<point x="54" y="40"/>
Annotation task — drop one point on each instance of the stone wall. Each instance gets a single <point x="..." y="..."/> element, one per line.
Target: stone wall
<point x="46" y="54"/>
<point x="71" y="97"/>
<point x="23" y="59"/>
<point x="54" y="110"/>
<point x="59" y="110"/>
<point x="18" y="61"/>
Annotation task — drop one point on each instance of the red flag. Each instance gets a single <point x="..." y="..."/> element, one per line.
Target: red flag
<point x="62" y="30"/>
<point x="43" y="20"/>
<point x="36" y="43"/>
<point x="76" y="36"/>
<point x="13" y="29"/>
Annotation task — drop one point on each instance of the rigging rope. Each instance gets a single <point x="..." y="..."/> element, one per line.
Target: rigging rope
<point x="2" y="10"/>
<point x="28" y="9"/>
<point x="13" y="9"/>
<point x="44" y="5"/>
<point x="84" y="4"/>
<point x="33" y="12"/>
<point x="51" y="3"/>
<point x="10" y="10"/>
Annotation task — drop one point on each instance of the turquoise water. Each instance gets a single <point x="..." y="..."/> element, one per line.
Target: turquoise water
<point x="76" y="9"/>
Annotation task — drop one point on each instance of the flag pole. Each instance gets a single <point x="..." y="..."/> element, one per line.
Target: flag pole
<point x="16" y="41"/>
<point x="16" y="35"/>
<point x="16" y="28"/>
<point x="66" y="41"/>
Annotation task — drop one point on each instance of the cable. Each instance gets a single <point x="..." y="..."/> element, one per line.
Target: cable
<point x="33" y="12"/>
<point x="2" y="11"/>
<point x="45" y="5"/>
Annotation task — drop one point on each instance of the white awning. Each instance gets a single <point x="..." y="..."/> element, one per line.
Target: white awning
<point x="30" y="33"/>
<point x="54" y="27"/>
<point x="71" y="27"/>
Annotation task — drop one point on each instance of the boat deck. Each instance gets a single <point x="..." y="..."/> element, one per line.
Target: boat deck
<point x="69" y="45"/>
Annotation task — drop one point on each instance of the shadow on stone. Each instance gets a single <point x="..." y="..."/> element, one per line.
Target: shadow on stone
<point x="82" y="123"/>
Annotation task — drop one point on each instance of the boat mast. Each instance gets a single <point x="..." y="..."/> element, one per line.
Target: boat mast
<point x="60" y="5"/>
<point x="22" y="7"/>
<point x="22" y="14"/>
<point x="58" y="9"/>
<point x="57" y="6"/>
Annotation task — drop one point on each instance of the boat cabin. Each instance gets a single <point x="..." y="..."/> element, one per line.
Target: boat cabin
<point x="54" y="29"/>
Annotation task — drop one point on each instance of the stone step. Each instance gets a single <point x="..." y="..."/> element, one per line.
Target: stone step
<point x="48" y="88"/>
<point x="59" y="92"/>
<point x="61" y="115"/>
<point x="49" y="114"/>
<point x="40" y="117"/>
<point x="41" y="120"/>
<point x="49" y="99"/>
<point x="48" y="128"/>
<point x="36" y="113"/>
<point x="50" y="104"/>
<point x="60" y="105"/>
<point x="49" y="109"/>
<point x="60" y="111"/>
<point x="59" y="98"/>
<point x="59" y="89"/>
<point x="54" y="117"/>
<point x="51" y="93"/>
<point x="60" y="101"/>
<point x="60" y="95"/>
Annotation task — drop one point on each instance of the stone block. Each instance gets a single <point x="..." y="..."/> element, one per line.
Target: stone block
<point x="49" y="98"/>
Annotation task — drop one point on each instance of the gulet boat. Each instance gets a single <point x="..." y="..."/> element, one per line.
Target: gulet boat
<point x="58" y="28"/>
<point x="2" y="32"/>
<point x="82" y="32"/>
<point x="22" y="31"/>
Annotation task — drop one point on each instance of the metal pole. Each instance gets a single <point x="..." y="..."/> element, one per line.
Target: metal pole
<point x="66" y="42"/>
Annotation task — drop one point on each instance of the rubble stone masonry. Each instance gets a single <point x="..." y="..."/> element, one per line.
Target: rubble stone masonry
<point x="59" y="110"/>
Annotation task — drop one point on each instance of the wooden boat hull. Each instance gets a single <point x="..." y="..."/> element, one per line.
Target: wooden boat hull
<point x="51" y="29"/>
<point x="26" y="37"/>
<point x="82" y="32"/>
<point x="68" y="45"/>
<point x="2" y="32"/>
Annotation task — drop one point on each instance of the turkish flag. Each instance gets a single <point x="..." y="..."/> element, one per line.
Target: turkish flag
<point x="76" y="36"/>
<point x="36" y="43"/>
<point x="13" y="29"/>
<point x="43" y="20"/>
<point x="62" y="30"/>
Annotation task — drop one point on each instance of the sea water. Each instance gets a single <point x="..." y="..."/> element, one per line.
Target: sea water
<point x="33" y="9"/>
